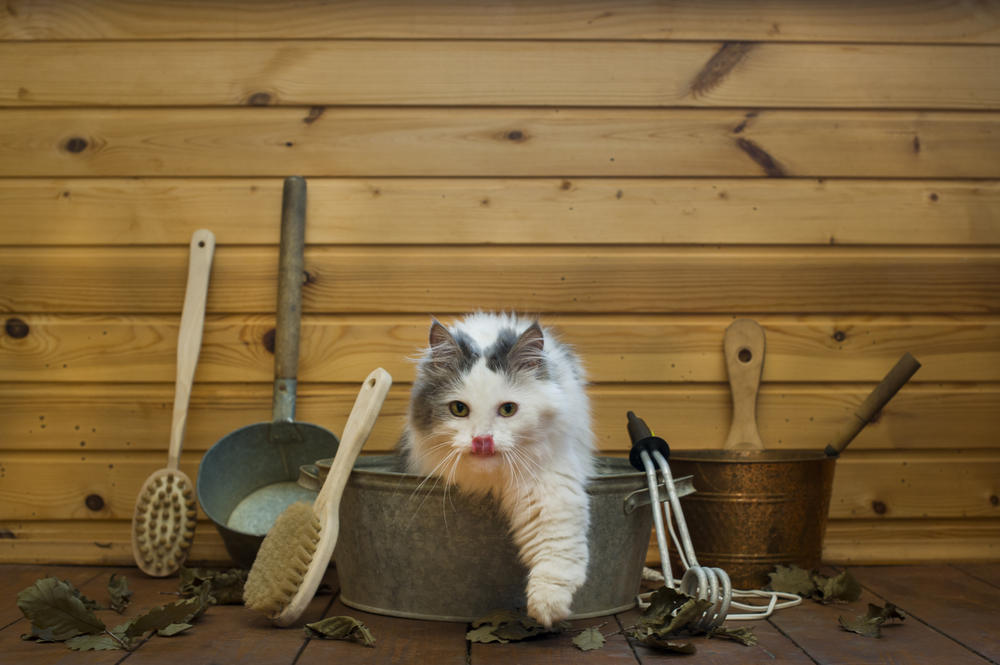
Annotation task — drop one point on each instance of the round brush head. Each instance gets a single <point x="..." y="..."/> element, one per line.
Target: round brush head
<point x="163" y="523"/>
<point x="283" y="560"/>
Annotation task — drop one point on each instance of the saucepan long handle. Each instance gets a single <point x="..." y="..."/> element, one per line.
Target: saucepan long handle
<point x="884" y="391"/>
<point x="291" y="265"/>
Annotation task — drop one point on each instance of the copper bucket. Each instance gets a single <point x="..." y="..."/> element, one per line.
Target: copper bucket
<point x="754" y="508"/>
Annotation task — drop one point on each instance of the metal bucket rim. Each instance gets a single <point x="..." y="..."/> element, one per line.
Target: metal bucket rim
<point x="750" y="456"/>
<point x="375" y="468"/>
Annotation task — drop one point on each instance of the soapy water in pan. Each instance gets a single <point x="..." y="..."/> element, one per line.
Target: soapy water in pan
<point x="257" y="512"/>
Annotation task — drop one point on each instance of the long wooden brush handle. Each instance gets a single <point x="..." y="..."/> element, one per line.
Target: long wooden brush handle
<point x="189" y="337"/>
<point x="878" y="398"/>
<point x="359" y="426"/>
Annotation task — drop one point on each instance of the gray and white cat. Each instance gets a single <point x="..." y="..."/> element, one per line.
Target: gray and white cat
<point x="499" y="407"/>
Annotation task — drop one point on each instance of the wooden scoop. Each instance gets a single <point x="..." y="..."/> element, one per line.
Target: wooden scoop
<point x="165" y="511"/>
<point x="743" y="346"/>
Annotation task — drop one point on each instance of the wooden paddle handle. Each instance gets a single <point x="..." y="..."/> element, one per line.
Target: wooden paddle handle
<point x="743" y="346"/>
<point x="359" y="426"/>
<point x="878" y="398"/>
<point x="291" y="269"/>
<point x="202" y="250"/>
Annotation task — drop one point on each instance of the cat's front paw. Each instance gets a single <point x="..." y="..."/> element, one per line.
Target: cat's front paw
<point x="548" y="602"/>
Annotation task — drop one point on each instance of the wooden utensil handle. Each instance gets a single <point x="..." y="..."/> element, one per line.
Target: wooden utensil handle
<point x="743" y="345"/>
<point x="291" y="268"/>
<point x="202" y="250"/>
<point x="359" y="425"/>
<point x="878" y="398"/>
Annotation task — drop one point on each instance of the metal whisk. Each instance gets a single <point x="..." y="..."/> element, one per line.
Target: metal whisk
<point x="649" y="453"/>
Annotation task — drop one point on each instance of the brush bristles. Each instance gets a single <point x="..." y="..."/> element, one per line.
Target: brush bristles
<point x="164" y="522"/>
<point x="282" y="560"/>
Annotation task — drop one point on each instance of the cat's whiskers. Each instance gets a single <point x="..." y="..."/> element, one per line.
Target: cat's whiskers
<point x="523" y="466"/>
<point x="433" y="474"/>
<point x="456" y="455"/>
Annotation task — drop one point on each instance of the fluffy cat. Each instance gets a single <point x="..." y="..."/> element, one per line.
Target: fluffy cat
<point x="499" y="407"/>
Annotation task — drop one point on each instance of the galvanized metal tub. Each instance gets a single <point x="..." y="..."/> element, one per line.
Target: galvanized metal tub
<point x="754" y="509"/>
<point x="419" y="552"/>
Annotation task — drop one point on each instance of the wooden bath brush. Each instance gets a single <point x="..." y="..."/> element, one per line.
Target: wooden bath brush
<point x="296" y="551"/>
<point x="165" y="510"/>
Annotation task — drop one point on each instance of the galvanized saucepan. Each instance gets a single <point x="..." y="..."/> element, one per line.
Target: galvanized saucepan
<point x="755" y="508"/>
<point x="249" y="476"/>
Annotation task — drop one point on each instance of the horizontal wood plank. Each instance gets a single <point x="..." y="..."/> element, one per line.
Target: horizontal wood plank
<point x="438" y="211"/>
<point x="466" y="142"/>
<point x="137" y="417"/>
<point x="956" y="604"/>
<point x="396" y="641"/>
<point x="780" y="20"/>
<point x="988" y="573"/>
<point x="534" y="279"/>
<point x="853" y="542"/>
<point x="94" y="541"/>
<point x="498" y="73"/>
<point x="815" y="629"/>
<point x="555" y="649"/>
<point x="912" y="484"/>
<point x="862" y="541"/>
<point x="614" y="348"/>
<point x="916" y="484"/>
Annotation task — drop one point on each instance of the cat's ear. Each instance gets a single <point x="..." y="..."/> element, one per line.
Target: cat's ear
<point x="444" y="348"/>
<point x="527" y="350"/>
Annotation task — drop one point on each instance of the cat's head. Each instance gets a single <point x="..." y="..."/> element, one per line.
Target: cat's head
<point x="481" y="401"/>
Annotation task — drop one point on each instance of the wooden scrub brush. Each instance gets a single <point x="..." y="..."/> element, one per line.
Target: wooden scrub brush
<point x="165" y="510"/>
<point x="297" y="549"/>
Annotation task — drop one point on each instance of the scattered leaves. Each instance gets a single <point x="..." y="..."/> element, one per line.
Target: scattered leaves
<point x="57" y="611"/>
<point x="341" y="628"/>
<point x="672" y="615"/>
<point x="508" y="626"/>
<point x="792" y="579"/>
<point x="744" y="636"/>
<point x="839" y="588"/>
<point x="159" y="618"/>
<point x="226" y="586"/>
<point x="101" y="642"/>
<point x="671" y="611"/>
<point x="484" y="635"/>
<point x="671" y="646"/>
<point x="120" y="594"/>
<point x="870" y="625"/>
<point x="173" y="629"/>
<point x="842" y="587"/>
<point x="589" y="639"/>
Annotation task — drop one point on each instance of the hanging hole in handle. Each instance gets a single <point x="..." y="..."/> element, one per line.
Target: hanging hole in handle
<point x="201" y="243"/>
<point x="745" y="355"/>
<point x="371" y="382"/>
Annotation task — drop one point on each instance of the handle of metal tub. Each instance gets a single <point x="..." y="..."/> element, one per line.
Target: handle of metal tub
<point x="641" y="497"/>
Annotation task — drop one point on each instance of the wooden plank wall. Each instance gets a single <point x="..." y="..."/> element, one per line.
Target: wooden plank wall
<point x="639" y="172"/>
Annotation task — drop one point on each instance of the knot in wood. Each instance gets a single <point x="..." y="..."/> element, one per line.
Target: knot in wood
<point x="268" y="340"/>
<point x="94" y="502"/>
<point x="16" y="328"/>
<point x="75" y="144"/>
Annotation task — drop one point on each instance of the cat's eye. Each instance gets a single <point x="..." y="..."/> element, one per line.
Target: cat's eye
<point x="507" y="409"/>
<point x="459" y="409"/>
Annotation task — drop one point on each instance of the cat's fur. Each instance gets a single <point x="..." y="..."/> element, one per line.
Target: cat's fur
<point x="536" y="462"/>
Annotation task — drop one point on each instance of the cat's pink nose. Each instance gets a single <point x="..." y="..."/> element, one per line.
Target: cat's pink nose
<point x="482" y="445"/>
